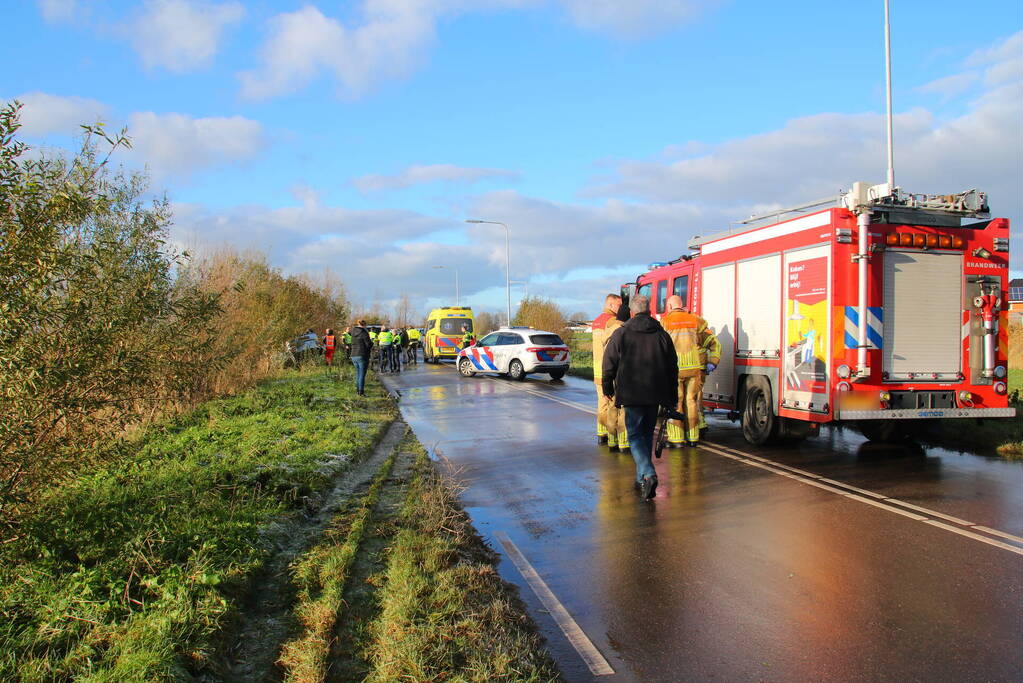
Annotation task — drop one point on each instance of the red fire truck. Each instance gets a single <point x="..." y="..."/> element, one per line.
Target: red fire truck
<point x="883" y="309"/>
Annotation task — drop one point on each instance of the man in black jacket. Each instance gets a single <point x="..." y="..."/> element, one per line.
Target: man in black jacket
<point x="641" y="372"/>
<point x="362" y="345"/>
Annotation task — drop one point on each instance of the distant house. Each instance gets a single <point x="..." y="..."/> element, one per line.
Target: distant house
<point x="1016" y="295"/>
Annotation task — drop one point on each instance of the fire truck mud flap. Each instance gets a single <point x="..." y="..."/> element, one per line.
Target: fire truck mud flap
<point x="910" y="414"/>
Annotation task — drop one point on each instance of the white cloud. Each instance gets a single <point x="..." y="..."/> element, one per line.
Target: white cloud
<point x="950" y="86"/>
<point x="45" y="114"/>
<point x="178" y="144"/>
<point x="649" y="208"/>
<point x="58" y="10"/>
<point x="302" y="43"/>
<point x="181" y="35"/>
<point x="169" y="144"/>
<point x="396" y="250"/>
<point x="391" y="38"/>
<point x="636" y="18"/>
<point x="814" y="156"/>
<point x="434" y="173"/>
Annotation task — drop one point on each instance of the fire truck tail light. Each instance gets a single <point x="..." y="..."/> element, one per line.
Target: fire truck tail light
<point x="843" y="371"/>
<point x="957" y="242"/>
<point x="945" y="242"/>
<point x="905" y="239"/>
<point x="1000" y="388"/>
<point x="932" y="240"/>
<point x="999" y="371"/>
<point x="892" y="238"/>
<point x="919" y="240"/>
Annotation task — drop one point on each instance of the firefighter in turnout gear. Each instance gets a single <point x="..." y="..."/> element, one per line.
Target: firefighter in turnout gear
<point x="699" y="352"/>
<point x="610" y="418"/>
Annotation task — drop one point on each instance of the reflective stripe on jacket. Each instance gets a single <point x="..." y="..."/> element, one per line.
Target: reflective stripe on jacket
<point x="694" y="342"/>
<point x="328" y="341"/>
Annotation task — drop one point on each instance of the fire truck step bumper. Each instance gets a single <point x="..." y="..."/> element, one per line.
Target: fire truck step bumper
<point x="924" y="413"/>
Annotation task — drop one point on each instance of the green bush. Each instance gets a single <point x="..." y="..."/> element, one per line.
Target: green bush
<point x="95" y="330"/>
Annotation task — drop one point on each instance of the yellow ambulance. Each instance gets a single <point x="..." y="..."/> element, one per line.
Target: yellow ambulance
<point x="443" y="336"/>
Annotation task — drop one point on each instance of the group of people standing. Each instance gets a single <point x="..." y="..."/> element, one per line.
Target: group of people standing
<point x="396" y="346"/>
<point x="641" y="365"/>
<point x="392" y="346"/>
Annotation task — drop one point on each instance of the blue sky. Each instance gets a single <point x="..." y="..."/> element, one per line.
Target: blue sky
<point x="358" y="135"/>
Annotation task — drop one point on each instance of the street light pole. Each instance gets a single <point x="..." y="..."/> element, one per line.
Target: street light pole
<point x="507" y="260"/>
<point x="454" y="268"/>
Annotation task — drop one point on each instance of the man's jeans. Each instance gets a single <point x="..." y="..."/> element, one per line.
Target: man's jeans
<point x="360" y="363"/>
<point x="640" y="422"/>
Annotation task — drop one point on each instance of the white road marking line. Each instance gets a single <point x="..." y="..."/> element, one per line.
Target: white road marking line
<point x="976" y="537"/>
<point x="541" y="394"/>
<point x="887" y="504"/>
<point x="932" y="513"/>
<point x="811" y="479"/>
<point x="864" y="492"/>
<point x="996" y="532"/>
<point x="580" y="641"/>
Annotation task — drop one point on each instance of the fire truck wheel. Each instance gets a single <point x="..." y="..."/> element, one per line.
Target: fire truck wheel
<point x="759" y="423"/>
<point x="882" y="431"/>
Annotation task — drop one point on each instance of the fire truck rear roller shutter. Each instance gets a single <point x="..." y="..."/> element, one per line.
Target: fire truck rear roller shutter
<point x="922" y="315"/>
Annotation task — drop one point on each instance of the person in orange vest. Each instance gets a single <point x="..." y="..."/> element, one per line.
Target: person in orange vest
<point x="610" y="418"/>
<point x="699" y="352"/>
<point x="329" y="343"/>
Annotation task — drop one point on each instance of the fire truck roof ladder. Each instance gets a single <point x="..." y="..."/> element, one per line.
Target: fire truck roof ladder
<point x="777" y="216"/>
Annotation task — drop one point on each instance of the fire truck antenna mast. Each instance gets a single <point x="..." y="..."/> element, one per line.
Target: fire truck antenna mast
<point x="888" y="83"/>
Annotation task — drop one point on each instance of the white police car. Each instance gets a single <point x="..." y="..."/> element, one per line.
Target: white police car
<point x="516" y="352"/>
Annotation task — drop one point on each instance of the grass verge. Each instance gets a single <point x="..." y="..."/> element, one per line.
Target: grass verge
<point x="445" y="612"/>
<point x="321" y="575"/>
<point x="581" y="346"/>
<point x="130" y="573"/>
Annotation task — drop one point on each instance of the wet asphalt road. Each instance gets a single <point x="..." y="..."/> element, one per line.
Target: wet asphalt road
<point x="739" y="569"/>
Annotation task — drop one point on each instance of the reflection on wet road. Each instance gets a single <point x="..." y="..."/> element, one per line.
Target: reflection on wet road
<point x="737" y="571"/>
